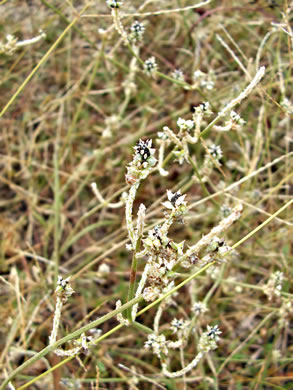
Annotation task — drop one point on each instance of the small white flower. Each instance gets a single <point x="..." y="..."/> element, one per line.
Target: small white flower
<point x="285" y="312"/>
<point x="207" y="84"/>
<point x="150" y="294"/>
<point x="178" y="75"/>
<point x="154" y="239"/>
<point x="114" y="3"/>
<point x="203" y="80"/>
<point x="129" y="247"/>
<point x="142" y="162"/>
<point x="199" y="308"/>
<point x="163" y="136"/>
<point x="174" y="200"/>
<point x="198" y="75"/>
<point x="150" y="66"/>
<point x="63" y="288"/>
<point x="213" y="332"/>
<point x="137" y="31"/>
<point x="226" y="211"/>
<point x="274" y="285"/>
<point x="208" y="340"/>
<point x="216" y="152"/>
<point x="180" y="155"/>
<point x="104" y="268"/>
<point x="143" y="150"/>
<point x="201" y="110"/>
<point x="237" y="118"/>
<point x="185" y="124"/>
<point x="178" y="325"/>
<point x="157" y="343"/>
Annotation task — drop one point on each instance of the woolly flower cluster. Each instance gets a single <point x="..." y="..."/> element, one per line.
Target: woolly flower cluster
<point x="150" y="66"/>
<point x="274" y="286"/>
<point x="216" y="152"/>
<point x="63" y="292"/>
<point x="10" y="46"/>
<point x="137" y="30"/>
<point x="63" y="289"/>
<point x="199" y="308"/>
<point x="235" y="122"/>
<point x="12" y="43"/>
<point x="82" y="344"/>
<point x="189" y="132"/>
<point x="178" y="75"/>
<point x="160" y="346"/>
<point x="208" y="340"/>
<point x="179" y="326"/>
<point x="157" y="343"/>
<point x="176" y="202"/>
<point x="143" y="161"/>
<point x="163" y="253"/>
<point x="203" y="80"/>
<point x="285" y="312"/>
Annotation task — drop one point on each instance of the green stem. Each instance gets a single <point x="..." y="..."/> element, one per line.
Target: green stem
<point x="132" y="278"/>
<point x="142" y="327"/>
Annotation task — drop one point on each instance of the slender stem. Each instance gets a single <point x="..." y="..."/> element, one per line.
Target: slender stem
<point x="142" y="327"/>
<point x="128" y="212"/>
<point x="250" y="234"/>
<point x="132" y="278"/>
<point x="57" y="208"/>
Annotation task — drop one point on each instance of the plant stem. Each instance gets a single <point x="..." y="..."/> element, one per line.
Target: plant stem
<point x="57" y="208"/>
<point x="132" y="277"/>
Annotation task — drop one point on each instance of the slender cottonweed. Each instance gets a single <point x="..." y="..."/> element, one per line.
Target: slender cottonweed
<point x="160" y="90"/>
<point x="63" y="292"/>
<point x="162" y="254"/>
